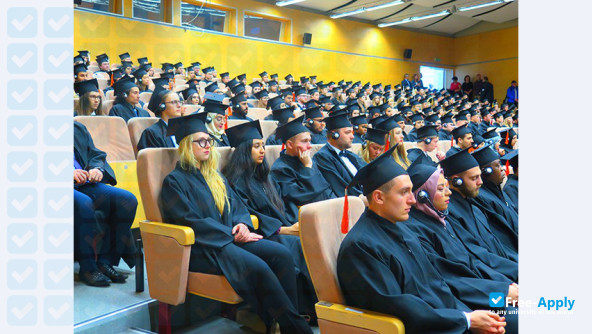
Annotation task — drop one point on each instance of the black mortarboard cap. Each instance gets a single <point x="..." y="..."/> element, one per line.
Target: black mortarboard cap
<point x="290" y="129"/>
<point x="460" y="131"/>
<point x="416" y="118"/>
<point x="282" y="115"/>
<point x="84" y="53"/>
<point x="377" y="136"/>
<point x="83" y="87"/>
<point x="123" y="85"/>
<point x="238" y="99"/>
<point x="337" y="121"/>
<point x="427" y="131"/>
<point x="188" y="92"/>
<point x="378" y="172"/>
<point x="275" y="102"/>
<point x="374" y="110"/>
<point x="314" y="112"/>
<point x="232" y="83"/>
<point x="241" y="76"/>
<point x="262" y="74"/>
<point x="79" y="68"/>
<point x="485" y="155"/>
<point x="181" y="127"/>
<point x="78" y="59"/>
<point x="256" y="84"/>
<point x="358" y="120"/>
<point x="178" y="65"/>
<point x="142" y="60"/>
<point x="156" y="99"/>
<point x="300" y="91"/>
<point x="238" y="89"/>
<point x="273" y="76"/>
<point x="288" y="77"/>
<point x="215" y="107"/>
<point x="158" y="82"/>
<point x="224" y="75"/>
<point x="196" y="64"/>
<point x="432" y="118"/>
<point x="207" y="69"/>
<point x="146" y="66"/>
<point x="212" y="87"/>
<point x="102" y="58"/>
<point x="124" y="56"/>
<point x="166" y="66"/>
<point x="272" y="83"/>
<point x="387" y="124"/>
<point x="261" y="94"/>
<point x="420" y="171"/>
<point x="139" y="73"/>
<point x="512" y="157"/>
<point x="458" y="162"/>
<point x="243" y="132"/>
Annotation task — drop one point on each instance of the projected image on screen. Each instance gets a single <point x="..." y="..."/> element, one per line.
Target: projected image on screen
<point x="262" y="28"/>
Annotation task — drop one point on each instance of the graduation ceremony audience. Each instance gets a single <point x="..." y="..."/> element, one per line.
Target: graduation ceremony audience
<point x="439" y="233"/>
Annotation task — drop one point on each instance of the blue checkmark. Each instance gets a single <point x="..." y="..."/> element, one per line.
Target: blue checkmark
<point x="21" y="166"/>
<point x="497" y="299"/>
<point x="57" y="58"/>
<point x="22" y="58"/>
<point x="21" y="202"/>
<point x="57" y="238"/>
<point x="58" y="94"/>
<point x="21" y="274"/>
<point x="57" y="130"/>
<point x="58" y="166"/>
<point x="21" y="130"/>
<point x="57" y="22"/>
<point x="58" y="310"/>
<point x="21" y="22"/>
<point x="58" y="274"/>
<point x="58" y="202"/>
<point x="22" y="94"/>
<point x="22" y="238"/>
<point x="21" y="310"/>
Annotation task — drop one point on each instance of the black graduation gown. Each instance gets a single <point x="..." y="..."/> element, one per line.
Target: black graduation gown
<point x="470" y="225"/>
<point x="298" y="185"/>
<point x="358" y="138"/>
<point x="482" y="128"/>
<point x="511" y="189"/>
<point x="474" y="127"/>
<point x="155" y="136"/>
<point x="460" y="271"/>
<point x="127" y="111"/>
<point x="444" y="135"/>
<point x="186" y="200"/>
<point x="237" y="116"/>
<point x="317" y="138"/>
<point x="452" y="150"/>
<point x="383" y="268"/>
<point x="89" y="157"/>
<point x="414" y="153"/>
<point x="501" y="214"/>
<point x="273" y="140"/>
<point x="412" y="135"/>
<point x="405" y="136"/>
<point x="222" y="142"/>
<point x="270" y="220"/>
<point x="335" y="172"/>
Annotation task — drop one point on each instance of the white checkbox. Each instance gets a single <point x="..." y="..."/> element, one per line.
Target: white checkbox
<point x="22" y="169"/>
<point x="21" y="313"/>
<point x="57" y="61"/>
<point x="21" y="241"/>
<point x="21" y="61"/>
<point x="56" y="206"/>
<point x="20" y="134"/>
<point x="21" y="277"/>
<point x="59" y="276"/>
<point x="21" y="205"/>
<point x="59" y="132"/>
<point x="57" y="241"/>
<point x="59" y="24"/>
<point x="20" y="97"/>
<point x="59" y="168"/>
<point x="56" y="314"/>
<point x="21" y="25"/>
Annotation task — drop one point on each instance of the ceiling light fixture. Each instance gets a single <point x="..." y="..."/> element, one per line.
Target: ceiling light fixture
<point x="367" y="9"/>
<point x="287" y="2"/>
<point x="487" y="4"/>
<point x="414" y="18"/>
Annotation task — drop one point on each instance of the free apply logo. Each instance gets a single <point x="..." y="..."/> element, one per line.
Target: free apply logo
<point x="498" y="299"/>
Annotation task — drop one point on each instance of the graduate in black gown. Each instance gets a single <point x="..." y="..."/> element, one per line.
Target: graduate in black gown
<point x="499" y="208"/>
<point x="427" y="141"/>
<point x="282" y="116"/>
<point x="463" y="139"/>
<point x="360" y="125"/>
<point x="381" y="266"/>
<point x="511" y="186"/>
<point x="195" y="194"/>
<point x="240" y="108"/>
<point x="102" y="214"/>
<point x="299" y="180"/>
<point x="166" y="105"/>
<point x="315" y="124"/>
<point x="337" y="164"/>
<point x="469" y="222"/>
<point x="216" y="121"/>
<point x="471" y="280"/>
<point x="445" y="132"/>
<point x="248" y="174"/>
<point x="417" y="121"/>
<point x="127" y="96"/>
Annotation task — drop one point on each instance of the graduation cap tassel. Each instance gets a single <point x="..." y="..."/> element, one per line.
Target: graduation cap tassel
<point x="507" y="136"/>
<point x="388" y="143"/>
<point x="283" y="146"/>
<point x="226" y="122"/>
<point x="451" y="141"/>
<point x="345" y="216"/>
<point x="507" y="168"/>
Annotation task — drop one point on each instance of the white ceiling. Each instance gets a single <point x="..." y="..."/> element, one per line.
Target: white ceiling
<point x="451" y="25"/>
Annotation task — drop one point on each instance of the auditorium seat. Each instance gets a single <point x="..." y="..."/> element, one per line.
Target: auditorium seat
<point x="258" y="113"/>
<point x="224" y="156"/>
<point x="408" y="128"/>
<point x="109" y="95"/>
<point x="167" y="247"/>
<point x="253" y="102"/>
<point x="409" y="145"/>
<point x="145" y="97"/>
<point x="321" y="237"/>
<point x="110" y="134"/>
<point x="444" y="145"/>
<point x="190" y="108"/>
<point x="103" y="83"/>
<point x="136" y="126"/>
<point x="93" y="68"/>
<point x="268" y="127"/>
<point x="76" y="103"/>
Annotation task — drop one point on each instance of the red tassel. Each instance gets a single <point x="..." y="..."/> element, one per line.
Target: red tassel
<point x="507" y="136"/>
<point x="345" y="217"/>
<point x="507" y="168"/>
<point x="226" y="123"/>
<point x="451" y="141"/>
<point x="283" y="146"/>
<point x="388" y="143"/>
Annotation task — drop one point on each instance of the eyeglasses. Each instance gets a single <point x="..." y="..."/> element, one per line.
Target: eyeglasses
<point x="98" y="97"/>
<point x="175" y="102"/>
<point x="204" y="142"/>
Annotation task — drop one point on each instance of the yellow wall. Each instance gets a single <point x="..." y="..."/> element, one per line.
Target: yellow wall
<point x="494" y="54"/>
<point x="168" y="43"/>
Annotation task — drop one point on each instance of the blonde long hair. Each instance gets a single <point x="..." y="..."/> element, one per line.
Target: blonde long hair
<point x="365" y="154"/>
<point x="399" y="154"/>
<point x="209" y="170"/>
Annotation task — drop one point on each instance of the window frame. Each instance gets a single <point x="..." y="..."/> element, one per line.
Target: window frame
<point x="285" y="30"/>
<point x="230" y="15"/>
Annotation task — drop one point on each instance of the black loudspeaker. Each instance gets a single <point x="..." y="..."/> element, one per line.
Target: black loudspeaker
<point x="407" y="53"/>
<point x="307" y="38"/>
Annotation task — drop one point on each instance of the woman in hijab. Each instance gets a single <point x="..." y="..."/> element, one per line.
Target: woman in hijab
<point x="216" y="122"/>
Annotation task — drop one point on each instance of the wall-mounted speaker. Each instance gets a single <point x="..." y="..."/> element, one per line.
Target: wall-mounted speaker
<point x="407" y="53"/>
<point x="307" y="38"/>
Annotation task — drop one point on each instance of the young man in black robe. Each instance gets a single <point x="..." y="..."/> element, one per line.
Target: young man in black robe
<point x="240" y="108"/>
<point x="166" y="105"/>
<point x="463" y="139"/>
<point x="299" y="180"/>
<point x="469" y="222"/>
<point x="127" y="96"/>
<point x="417" y="121"/>
<point x="501" y="213"/>
<point x="102" y="214"/>
<point x="447" y="126"/>
<point x="511" y="186"/>
<point x="427" y="141"/>
<point x="360" y="126"/>
<point x="382" y="267"/>
<point x="337" y="164"/>
<point x="282" y="116"/>
<point x="315" y="124"/>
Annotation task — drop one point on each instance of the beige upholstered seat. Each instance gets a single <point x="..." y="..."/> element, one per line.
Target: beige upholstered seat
<point x="110" y="135"/>
<point x="136" y="126"/>
<point x="321" y="237"/>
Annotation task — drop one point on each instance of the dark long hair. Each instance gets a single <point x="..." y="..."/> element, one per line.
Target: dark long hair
<point x="241" y="169"/>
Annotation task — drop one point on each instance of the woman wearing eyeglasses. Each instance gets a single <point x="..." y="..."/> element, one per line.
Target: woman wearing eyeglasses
<point x="216" y="121"/>
<point x="89" y="102"/>
<point x="196" y="195"/>
<point x="166" y="105"/>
